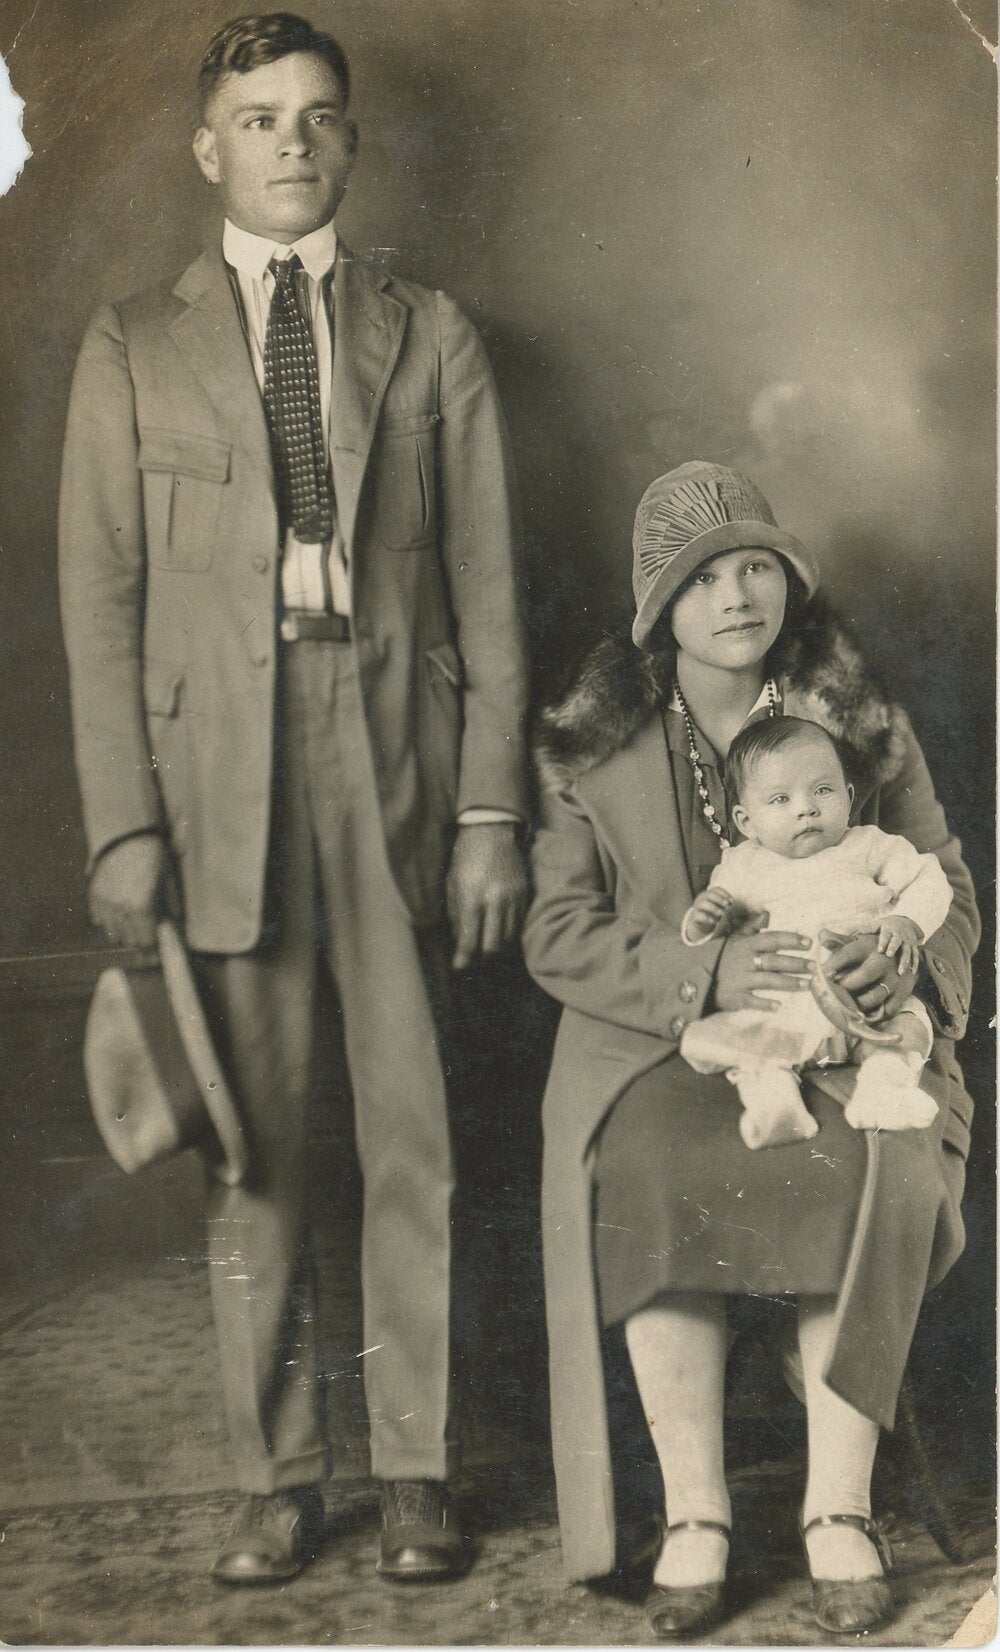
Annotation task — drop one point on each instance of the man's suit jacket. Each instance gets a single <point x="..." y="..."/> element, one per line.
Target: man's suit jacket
<point x="169" y="571"/>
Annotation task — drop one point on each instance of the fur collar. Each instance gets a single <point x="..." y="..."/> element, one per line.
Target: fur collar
<point x="823" y="674"/>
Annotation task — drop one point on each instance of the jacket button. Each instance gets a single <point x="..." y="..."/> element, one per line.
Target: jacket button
<point x="688" y="992"/>
<point x="259" y="659"/>
<point x="937" y="962"/>
<point x="260" y="564"/>
<point x="677" y="1025"/>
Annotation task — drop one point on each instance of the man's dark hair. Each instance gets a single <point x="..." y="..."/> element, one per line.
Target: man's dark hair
<point x="246" y="43"/>
<point x="762" y="738"/>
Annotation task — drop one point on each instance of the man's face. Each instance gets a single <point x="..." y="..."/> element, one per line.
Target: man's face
<point x="795" y="800"/>
<point x="278" y="142"/>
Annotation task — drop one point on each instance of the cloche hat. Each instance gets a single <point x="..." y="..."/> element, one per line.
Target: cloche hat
<point x="154" y="1080"/>
<point x="691" y="514"/>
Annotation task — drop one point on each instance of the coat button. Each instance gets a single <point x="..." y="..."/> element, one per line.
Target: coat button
<point x="688" y="992"/>
<point x="677" y="1025"/>
<point x="260" y="564"/>
<point x="937" y="962"/>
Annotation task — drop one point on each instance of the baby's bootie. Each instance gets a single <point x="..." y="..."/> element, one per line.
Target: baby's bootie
<point x="773" y="1110"/>
<point x="887" y="1095"/>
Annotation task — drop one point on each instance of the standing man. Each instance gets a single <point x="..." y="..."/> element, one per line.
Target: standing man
<point x="298" y="692"/>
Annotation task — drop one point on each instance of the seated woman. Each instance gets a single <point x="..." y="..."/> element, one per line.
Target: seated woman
<point x="654" y="1208"/>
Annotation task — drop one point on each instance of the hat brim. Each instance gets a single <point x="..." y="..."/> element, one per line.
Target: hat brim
<point x="726" y="536"/>
<point x="200" y="1051"/>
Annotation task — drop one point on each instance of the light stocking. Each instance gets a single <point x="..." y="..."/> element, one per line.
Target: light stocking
<point x="842" y="1446"/>
<point x="678" y="1351"/>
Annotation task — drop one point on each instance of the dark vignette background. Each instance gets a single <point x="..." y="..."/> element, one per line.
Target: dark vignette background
<point x="759" y="231"/>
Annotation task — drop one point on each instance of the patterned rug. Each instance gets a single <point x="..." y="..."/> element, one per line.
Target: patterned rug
<point x="135" y="1573"/>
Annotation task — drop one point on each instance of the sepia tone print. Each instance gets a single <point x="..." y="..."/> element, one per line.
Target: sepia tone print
<point x="498" y="593"/>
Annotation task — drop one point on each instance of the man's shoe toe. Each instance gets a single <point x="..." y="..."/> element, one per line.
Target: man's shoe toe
<point x="420" y="1542"/>
<point x="272" y="1538"/>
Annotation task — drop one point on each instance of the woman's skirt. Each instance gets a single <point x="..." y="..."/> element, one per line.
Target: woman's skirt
<point x="682" y="1204"/>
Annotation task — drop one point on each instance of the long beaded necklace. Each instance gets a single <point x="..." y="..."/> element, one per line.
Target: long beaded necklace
<point x="707" y="807"/>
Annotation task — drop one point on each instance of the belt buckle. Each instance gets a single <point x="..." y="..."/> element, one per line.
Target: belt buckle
<point x="307" y="626"/>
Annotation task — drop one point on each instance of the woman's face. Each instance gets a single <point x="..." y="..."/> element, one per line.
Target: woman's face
<point x="731" y="610"/>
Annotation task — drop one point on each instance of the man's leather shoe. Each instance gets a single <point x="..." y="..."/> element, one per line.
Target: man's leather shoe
<point x="420" y="1541"/>
<point x="272" y="1537"/>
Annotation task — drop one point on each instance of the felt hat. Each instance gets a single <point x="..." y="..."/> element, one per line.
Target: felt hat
<point x="693" y="513"/>
<point x="154" y="1080"/>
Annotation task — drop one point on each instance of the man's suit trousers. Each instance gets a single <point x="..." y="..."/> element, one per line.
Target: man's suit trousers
<point x="332" y="896"/>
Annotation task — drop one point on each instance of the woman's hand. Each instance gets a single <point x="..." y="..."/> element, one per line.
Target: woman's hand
<point x="870" y="976"/>
<point x="752" y="965"/>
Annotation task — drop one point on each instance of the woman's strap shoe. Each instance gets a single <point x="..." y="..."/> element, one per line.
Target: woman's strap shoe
<point x="678" y="1613"/>
<point x="852" y="1606"/>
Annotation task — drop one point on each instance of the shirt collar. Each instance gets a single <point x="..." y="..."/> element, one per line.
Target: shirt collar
<point x="760" y="704"/>
<point x="251" y="254"/>
<point x="676" y="729"/>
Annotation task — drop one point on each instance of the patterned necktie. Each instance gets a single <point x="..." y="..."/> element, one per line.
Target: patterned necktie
<point x="294" y="415"/>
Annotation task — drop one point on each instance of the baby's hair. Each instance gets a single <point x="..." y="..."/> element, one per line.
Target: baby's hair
<point x="762" y="738"/>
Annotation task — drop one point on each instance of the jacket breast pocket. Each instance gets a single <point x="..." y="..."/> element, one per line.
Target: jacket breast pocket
<point x="405" y="483"/>
<point x="182" y="481"/>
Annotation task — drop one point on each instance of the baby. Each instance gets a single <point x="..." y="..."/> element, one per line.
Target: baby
<point x="806" y="869"/>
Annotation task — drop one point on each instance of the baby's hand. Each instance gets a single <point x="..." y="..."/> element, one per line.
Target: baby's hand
<point x="708" y="914"/>
<point x="901" y="937"/>
<point x="746" y="920"/>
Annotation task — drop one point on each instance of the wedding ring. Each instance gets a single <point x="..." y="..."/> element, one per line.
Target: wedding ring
<point x="885" y="989"/>
<point x="758" y="962"/>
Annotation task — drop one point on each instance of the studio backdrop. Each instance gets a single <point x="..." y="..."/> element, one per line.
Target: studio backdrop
<point x="755" y="231"/>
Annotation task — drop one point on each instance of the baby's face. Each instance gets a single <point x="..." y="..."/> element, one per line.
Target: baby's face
<point x="796" y="801"/>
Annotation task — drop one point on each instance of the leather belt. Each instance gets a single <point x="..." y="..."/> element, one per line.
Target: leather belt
<point x="300" y="626"/>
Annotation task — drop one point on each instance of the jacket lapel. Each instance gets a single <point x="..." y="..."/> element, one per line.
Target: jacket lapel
<point x="369" y="328"/>
<point x="209" y="336"/>
<point x="634" y="797"/>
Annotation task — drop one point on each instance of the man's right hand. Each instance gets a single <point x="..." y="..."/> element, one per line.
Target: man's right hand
<point x="127" y="889"/>
<point x="751" y="965"/>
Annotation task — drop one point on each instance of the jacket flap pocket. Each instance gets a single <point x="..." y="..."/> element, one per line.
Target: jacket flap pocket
<point x="175" y="450"/>
<point x="445" y="658"/>
<point x="161" y="687"/>
<point x="409" y="424"/>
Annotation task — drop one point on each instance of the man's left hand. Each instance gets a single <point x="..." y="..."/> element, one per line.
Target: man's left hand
<point x="486" y="889"/>
<point x="872" y="979"/>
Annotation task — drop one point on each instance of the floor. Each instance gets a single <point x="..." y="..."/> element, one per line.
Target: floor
<point x="114" y="1482"/>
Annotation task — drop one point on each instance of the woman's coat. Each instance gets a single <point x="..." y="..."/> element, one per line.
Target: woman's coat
<point x="603" y="938"/>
